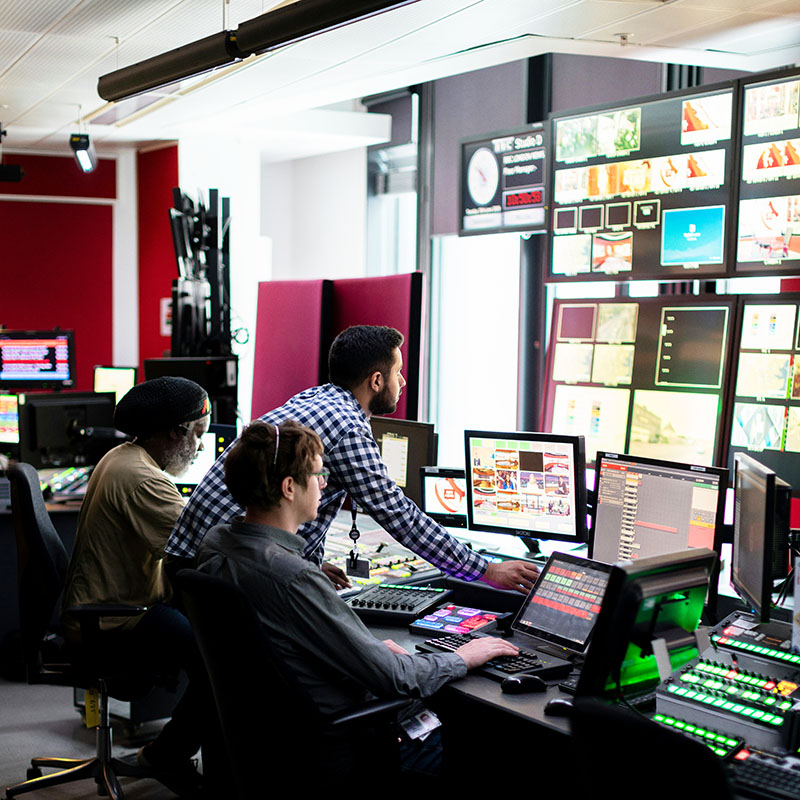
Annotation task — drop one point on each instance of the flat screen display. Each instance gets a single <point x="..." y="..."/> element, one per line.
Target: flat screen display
<point x="646" y="507"/>
<point x="765" y="412"/>
<point x="768" y="235"/>
<point x="37" y="359"/>
<point x="650" y="182"/>
<point x="646" y="377"/>
<point x="9" y="419"/>
<point x="444" y="495"/>
<point x="503" y="181"/>
<point x="406" y="446"/>
<point x="526" y="484"/>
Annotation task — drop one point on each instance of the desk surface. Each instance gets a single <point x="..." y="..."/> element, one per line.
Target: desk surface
<point x="477" y="688"/>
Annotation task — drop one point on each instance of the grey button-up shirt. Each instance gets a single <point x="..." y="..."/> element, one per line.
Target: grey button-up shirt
<point x="324" y="643"/>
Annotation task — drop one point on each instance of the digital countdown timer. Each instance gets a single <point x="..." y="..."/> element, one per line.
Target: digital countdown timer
<point x="503" y="182"/>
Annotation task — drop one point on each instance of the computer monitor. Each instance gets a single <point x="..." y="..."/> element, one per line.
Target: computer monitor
<point x="119" y="380"/>
<point x="647" y="507"/>
<point x="405" y="447"/>
<point x="444" y="495"/>
<point x="530" y="485"/>
<point x="760" y="533"/>
<point x="74" y="429"/>
<point x="215" y="441"/>
<point x="37" y="359"/>
<point x="647" y="622"/>
<point x="9" y="421"/>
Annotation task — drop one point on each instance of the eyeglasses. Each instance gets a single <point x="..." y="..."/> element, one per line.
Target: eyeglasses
<point x="322" y="477"/>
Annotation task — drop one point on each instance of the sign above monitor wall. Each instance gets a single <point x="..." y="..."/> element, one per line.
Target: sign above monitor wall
<point x="503" y="178"/>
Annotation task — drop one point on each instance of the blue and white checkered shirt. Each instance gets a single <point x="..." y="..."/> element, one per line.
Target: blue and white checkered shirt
<point x="356" y="468"/>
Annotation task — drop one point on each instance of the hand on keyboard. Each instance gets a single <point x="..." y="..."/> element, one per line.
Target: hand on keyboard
<point x="479" y="651"/>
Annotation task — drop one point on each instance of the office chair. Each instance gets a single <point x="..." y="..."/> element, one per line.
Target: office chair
<point x="618" y="747"/>
<point x="252" y="684"/>
<point x="41" y="572"/>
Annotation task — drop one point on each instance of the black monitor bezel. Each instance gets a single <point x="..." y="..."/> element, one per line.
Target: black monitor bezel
<point x="448" y="520"/>
<point x="35" y="383"/>
<point x="579" y="480"/>
<point x="760" y="605"/>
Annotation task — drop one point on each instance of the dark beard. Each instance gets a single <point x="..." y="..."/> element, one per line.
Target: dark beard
<point x="382" y="403"/>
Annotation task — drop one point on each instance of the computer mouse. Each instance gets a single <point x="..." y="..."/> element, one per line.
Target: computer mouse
<point x="559" y="707"/>
<point x="523" y="684"/>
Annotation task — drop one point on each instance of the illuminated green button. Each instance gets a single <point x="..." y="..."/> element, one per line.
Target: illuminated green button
<point x="757" y="714"/>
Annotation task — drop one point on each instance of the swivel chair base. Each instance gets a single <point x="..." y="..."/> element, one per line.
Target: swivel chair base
<point x="102" y="768"/>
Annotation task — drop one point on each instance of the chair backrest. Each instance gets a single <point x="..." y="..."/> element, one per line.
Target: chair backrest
<point x="619" y="748"/>
<point x="42" y="561"/>
<point x="249" y="681"/>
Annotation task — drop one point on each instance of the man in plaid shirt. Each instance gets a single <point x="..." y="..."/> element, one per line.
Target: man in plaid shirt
<point x="365" y="368"/>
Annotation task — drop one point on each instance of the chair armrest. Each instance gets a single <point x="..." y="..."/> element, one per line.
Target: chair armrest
<point x="105" y="610"/>
<point x="369" y="710"/>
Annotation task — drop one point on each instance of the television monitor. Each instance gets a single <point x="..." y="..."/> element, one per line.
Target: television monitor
<point x="647" y="622"/>
<point x="119" y="380"/>
<point x="647" y="507"/>
<point x="74" y="429"/>
<point x="768" y="236"/>
<point x="215" y="441"/>
<point x="9" y="420"/>
<point x="37" y="359"/>
<point x="405" y="447"/>
<point x="760" y="533"/>
<point x="444" y="495"/>
<point x="531" y="485"/>
<point x="662" y="168"/>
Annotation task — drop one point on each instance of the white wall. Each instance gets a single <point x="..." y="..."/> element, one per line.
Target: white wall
<point x="233" y="167"/>
<point x="314" y="211"/>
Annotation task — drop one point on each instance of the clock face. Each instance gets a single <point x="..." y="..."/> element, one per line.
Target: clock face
<point x="482" y="176"/>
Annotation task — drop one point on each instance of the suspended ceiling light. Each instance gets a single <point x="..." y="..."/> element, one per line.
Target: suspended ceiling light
<point x="276" y="28"/>
<point x="84" y="151"/>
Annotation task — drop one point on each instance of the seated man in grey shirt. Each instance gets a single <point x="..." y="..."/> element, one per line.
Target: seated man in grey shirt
<point x="276" y="474"/>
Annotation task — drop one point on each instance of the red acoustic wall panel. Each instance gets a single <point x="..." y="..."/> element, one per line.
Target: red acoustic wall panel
<point x="292" y="335"/>
<point x="157" y="175"/>
<point x="56" y="271"/>
<point x="396" y="301"/>
<point x="60" y="176"/>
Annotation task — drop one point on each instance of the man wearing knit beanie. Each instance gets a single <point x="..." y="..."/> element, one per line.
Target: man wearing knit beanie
<point x="129" y="510"/>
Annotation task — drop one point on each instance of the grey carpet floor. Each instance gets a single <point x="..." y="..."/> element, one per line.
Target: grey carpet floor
<point x="42" y="721"/>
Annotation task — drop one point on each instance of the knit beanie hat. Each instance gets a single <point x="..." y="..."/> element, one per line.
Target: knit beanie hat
<point x="159" y="404"/>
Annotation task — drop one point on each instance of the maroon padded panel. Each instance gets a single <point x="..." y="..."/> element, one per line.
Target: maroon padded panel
<point x="61" y="176"/>
<point x="56" y="262"/>
<point x="291" y="326"/>
<point x="396" y="301"/>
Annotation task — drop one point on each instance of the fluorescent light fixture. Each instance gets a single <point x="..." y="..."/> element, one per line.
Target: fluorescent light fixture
<point x="277" y="28"/>
<point x="84" y="151"/>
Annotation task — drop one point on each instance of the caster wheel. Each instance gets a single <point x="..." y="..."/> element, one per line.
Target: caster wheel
<point x="33" y="772"/>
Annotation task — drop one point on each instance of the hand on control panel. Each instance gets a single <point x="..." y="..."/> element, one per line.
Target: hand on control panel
<point x="517" y="575"/>
<point x="337" y="576"/>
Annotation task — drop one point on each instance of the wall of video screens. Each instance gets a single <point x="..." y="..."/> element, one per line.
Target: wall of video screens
<point x="642" y="191"/>
<point x="645" y="377"/>
<point x="693" y="380"/>
<point x="697" y="184"/>
<point x="765" y="419"/>
<point x="768" y="238"/>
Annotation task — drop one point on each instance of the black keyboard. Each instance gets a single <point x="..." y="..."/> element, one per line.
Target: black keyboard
<point x="389" y="603"/>
<point x="766" y="778"/>
<point x="527" y="661"/>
